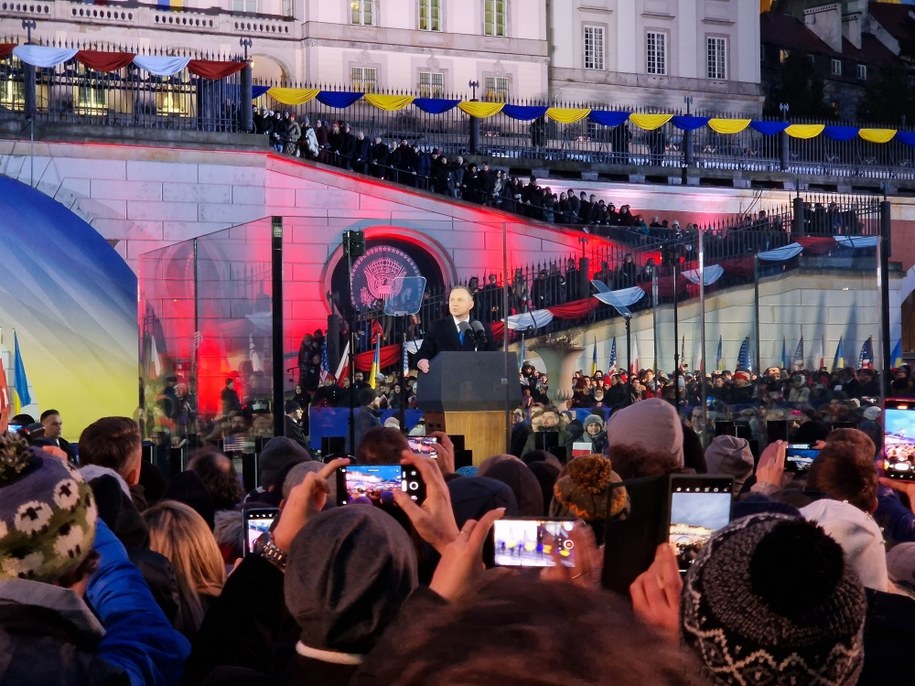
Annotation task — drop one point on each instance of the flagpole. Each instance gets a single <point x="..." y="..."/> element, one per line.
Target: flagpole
<point x="676" y="336"/>
<point x="654" y="327"/>
<point x="756" y="307"/>
<point x="702" y="342"/>
<point x="883" y="254"/>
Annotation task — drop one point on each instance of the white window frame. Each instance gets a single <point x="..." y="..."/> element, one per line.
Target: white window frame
<point x="656" y="53"/>
<point x="244" y="6"/>
<point x="862" y="72"/>
<point x="362" y="76"/>
<point x="716" y="58"/>
<point x="593" y="47"/>
<point x="496" y="88"/>
<point x="363" y="12"/>
<point x="431" y="84"/>
<point x="495" y="17"/>
<point x="429" y="15"/>
<point x="835" y="67"/>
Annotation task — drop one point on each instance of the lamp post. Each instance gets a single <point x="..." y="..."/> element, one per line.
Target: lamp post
<point x="246" y="116"/>
<point x="474" y="142"/>
<point x="687" y="136"/>
<point x="31" y="98"/>
<point x="783" y="107"/>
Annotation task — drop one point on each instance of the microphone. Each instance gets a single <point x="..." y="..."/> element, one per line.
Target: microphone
<point x="464" y="328"/>
<point x="479" y="331"/>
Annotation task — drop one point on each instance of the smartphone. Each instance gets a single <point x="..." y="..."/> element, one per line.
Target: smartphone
<point x="531" y="542"/>
<point x="899" y="439"/>
<point x="13" y="428"/>
<point x="799" y="457"/>
<point x="725" y="428"/>
<point x="423" y="445"/>
<point x="375" y="484"/>
<point x="699" y="506"/>
<point x="258" y="521"/>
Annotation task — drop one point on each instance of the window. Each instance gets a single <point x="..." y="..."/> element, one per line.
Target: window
<point x="91" y="94"/>
<point x="495" y="89"/>
<point x="171" y="101"/>
<point x="783" y="55"/>
<point x="430" y="15"/>
<point x="244" y="5"/>
<point x="837" y="67"/>
<point x="364" y="79"/>
<point x="431" y="84"/>
<point x="494" y="17"/>
<point x="363" y="12"/>
<point x="656" y="53"/>
<point x="716" y="58"/>
<point x="594" y="47"/>
<point x="12" y="93"/>
<point x="862" y="72"/>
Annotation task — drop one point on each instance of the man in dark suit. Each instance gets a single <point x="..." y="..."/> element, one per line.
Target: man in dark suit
<point x="293" y="426"/>
<point x="444" y="334"/>
<point x="53" y="426"/>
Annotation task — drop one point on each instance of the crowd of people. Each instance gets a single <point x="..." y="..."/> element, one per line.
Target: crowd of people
<point x="112" y="573"/>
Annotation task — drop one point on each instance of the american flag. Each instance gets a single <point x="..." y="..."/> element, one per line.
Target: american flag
<point x="612" y="365"/>
<point x="325" y="363"/>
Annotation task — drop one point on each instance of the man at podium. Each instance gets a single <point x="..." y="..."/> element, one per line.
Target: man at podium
<point x="455" y="333"/>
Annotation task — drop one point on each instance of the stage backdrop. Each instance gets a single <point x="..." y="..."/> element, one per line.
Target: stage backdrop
<point x="73" y="303"/>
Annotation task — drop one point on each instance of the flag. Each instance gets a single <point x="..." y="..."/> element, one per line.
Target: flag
<point x="822" y="364"/>
<point x="838" y="361"/>
<point x="154" y="358"/>
<point x="719" y="355"/>
<point x="343" y="367"/>
<point x="406" y="360"/>
<point x="170" y="4"/>
<point x="798" y="361"/>
<point x="4" y="400"/>
<point x="743" y="355"/>
<point x="866" y="356"/>
<point x="521" y="354"/>
<point x="21" y="397"/>
<point x="785" y="364"/>
<point x="683" y="349"/>
<point x="376" y="364"/>
<point x="594" y="358"/>
<point x="612" y="366"/>
<point x="325" y="363"/>
<point x="896" y="355"/>
<point x="634" y="360"/>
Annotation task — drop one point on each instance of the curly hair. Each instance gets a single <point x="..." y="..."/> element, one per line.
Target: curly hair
<point x="844" y="470"/>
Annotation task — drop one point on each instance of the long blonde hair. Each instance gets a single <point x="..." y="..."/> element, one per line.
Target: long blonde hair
<point x="177" y="532"/>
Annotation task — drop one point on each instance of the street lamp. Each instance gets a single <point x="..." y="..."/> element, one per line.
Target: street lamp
<point x="245" y="43"/>
<point x="688" y="100"/>
<point x="473" y="88"/>
<point x="783" y="107"/>
<point x="28" y="25"/>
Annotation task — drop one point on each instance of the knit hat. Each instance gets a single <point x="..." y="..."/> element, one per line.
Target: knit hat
<point x="349" y="571"/>
<point x="651" y="424"/>
<point x="279" y="453"/>
<point x="592" y="419"/>
<point x="586" y="491"/>
<point x="47" y="514"/>
<point x="871" y="413"/>
<point x="732" y="456"/>
<point x="770" y="600"/>
<point x="859" y="536"/>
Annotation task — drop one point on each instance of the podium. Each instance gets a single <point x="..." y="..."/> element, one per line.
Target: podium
<point x="471" y="393"/>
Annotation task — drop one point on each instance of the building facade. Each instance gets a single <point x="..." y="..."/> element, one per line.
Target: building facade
<point x="650" y="53"/>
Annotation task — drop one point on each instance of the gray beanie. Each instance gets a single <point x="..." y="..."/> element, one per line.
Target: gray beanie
<point x="593" y="419"/>
<point x="732" y="456"/>
<point x="652" y="424"/>
<point x="349" y="571"/>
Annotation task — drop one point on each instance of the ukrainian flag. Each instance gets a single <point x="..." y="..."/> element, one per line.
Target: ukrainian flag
<point x="21" y="397"/>
<point x="376" y="363"/>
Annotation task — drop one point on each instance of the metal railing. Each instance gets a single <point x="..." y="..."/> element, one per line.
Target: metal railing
<point x="71" y="94"/>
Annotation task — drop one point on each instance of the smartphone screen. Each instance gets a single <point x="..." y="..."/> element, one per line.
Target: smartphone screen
<point x="13" y="428"/>
<point x="776" y="430"/>
<point x="899" y="439"/>
<point x="725" y="428"/>
<point x="257" y="522"/>
<point x="375" y="484"/>
<point x="799" y="457"/>
<point x="699" y="506"/>
<point x="423" y="445"/>
<point x="523" y="542"/>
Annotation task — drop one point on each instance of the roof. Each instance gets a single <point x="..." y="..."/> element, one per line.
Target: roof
<point x="893" y="18"/>
<point x="784" y="31"/>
